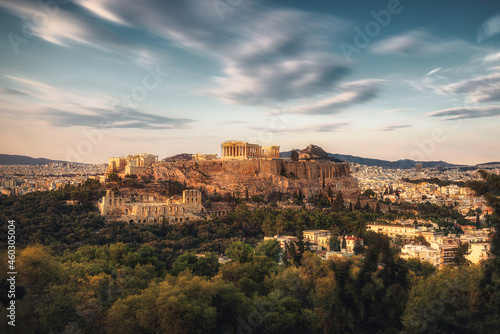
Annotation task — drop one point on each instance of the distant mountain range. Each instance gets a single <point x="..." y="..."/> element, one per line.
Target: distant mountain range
<point x="9" y="159"/>
<point x="318" y="152"/>
<point x="313" y="151"/>
<point x="494" y="164"/>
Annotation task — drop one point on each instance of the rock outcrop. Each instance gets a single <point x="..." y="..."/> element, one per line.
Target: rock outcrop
<point x="259" y="177"/>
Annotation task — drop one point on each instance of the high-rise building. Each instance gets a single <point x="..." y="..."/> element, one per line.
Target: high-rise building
<point x="418" y="166"/>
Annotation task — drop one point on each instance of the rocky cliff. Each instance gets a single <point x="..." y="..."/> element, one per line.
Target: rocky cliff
<point x="259" y="177"/>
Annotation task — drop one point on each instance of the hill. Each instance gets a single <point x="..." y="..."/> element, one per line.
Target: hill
<point x="258" y="176"/>
<point x="319" y="153"/>
<point x="494" y="164"/>
<point x="402" y="164"/>
<point x="178" y="157"/>
<point x="10" y="159"/>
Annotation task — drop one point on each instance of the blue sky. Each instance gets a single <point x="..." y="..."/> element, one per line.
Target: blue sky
<point x="87" y="79"/>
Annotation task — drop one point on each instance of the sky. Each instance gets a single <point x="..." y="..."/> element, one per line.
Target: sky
<point x="84" y="80"/>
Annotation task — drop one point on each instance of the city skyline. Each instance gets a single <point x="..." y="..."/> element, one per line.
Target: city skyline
<point x="85" y="80"/>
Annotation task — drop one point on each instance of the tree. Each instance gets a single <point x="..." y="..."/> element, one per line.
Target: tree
<point x="339" y="202"/>
<point x="444" y="303"/>
<point x="357" y="206"/>
<point x="185" y="261"/>
<point x="489" y="292"/>
<point x="460" y="253"/>
<point x="113" y="177"/>
<point x="369" y="193"/>
<point x="420" y="240"/>
<point x="257" y="199"/>
<point x="330" y="192"/>
<point x="294" y="155"/>
<point x="240" y="251"/>
<point x="270" y="248"/>
<point x="183" y="305"/>
<point x="358" y="247"/>
<point x="420" y="268"/>
<point x="207" y="265"/>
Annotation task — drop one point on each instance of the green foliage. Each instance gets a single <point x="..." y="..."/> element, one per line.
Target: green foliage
<point x="206" y="266"/>
<point x="489" y="285"/>
<point x="78" y="274"/>
<point x="420" y="268"/>
<point x="257" y="199"/>
<point x="270" y="248"/>
<point x="240" y="251"/>
<point x="444" y="303"/>
<point x="460" y="253"/>
<point x="435" y="180"/>
<point x="113" y="177"/>
<point x="369" y="193"/>
<point x="294" y="155"/>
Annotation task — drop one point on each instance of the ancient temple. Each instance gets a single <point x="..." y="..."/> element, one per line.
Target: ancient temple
<point x="239" y="150"/>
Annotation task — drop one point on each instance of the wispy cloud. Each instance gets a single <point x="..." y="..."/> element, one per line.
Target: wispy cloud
<point x="433" y="71"/>
<point x="51" y="96"/>
<point x="465" y="112"/>
<point x="10" y="91"/>
<point x="421" y="43"/>
<point x="396" y="110"/>
<point x="350" y="94"/>
<point x="67" y="27"/>
<point x="63" y="108"/>
<point x="484" y="88"/>
<point x="489" y="28"/>
<point x="115" y="118"/>
<point x="269" y="54"/>
<point x="312" y="128"/>
<point x="393" y="126"/>
<point x="492" y="57"/>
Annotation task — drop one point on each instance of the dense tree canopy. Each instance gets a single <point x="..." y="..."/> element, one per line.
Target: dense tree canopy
<point x="81" y="274"/>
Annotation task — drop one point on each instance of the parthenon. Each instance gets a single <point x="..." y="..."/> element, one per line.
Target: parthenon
<point x="239" y="150"/>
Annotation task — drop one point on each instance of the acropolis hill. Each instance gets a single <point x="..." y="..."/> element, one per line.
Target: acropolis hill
<point x="246" y="168"/>
<point x="258" y="176"/>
